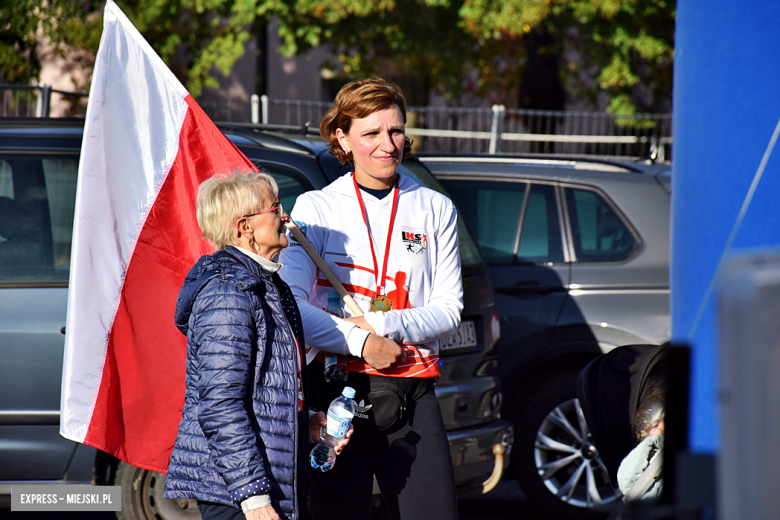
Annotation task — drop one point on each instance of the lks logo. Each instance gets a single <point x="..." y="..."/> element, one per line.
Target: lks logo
<point x="414" y="240"/>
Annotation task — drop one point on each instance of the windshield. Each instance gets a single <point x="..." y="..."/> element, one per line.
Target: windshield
<point x="469" y="252"/>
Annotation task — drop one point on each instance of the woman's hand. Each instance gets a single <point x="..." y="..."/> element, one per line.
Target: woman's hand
<point x="381" y="352"/>
<point x="263" y="513"/>
<point x="361" y="322"/>
<point x="317" y="421"/>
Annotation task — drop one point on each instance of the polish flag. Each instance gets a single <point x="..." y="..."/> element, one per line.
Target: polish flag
<point x="147" y="146"/>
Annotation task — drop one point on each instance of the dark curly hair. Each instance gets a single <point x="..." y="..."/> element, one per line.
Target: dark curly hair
<point x="356" y="100"/>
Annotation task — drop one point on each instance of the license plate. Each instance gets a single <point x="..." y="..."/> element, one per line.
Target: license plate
<point x="465" y="336"/>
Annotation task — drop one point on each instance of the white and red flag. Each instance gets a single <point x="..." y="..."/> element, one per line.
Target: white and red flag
<point x="147" y="146"/>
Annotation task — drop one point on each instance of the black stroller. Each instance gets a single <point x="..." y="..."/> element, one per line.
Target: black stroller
<point x="611" y="389"/>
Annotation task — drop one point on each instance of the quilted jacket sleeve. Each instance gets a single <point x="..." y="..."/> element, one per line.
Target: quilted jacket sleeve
<point x="226" y="336"/>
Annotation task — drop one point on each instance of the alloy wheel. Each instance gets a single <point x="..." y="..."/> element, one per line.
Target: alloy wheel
<point x="567" y="460"/>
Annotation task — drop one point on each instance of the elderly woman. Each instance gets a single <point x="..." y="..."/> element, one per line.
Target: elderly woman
<point x="393" y="244"/>
<point x="242" y="438"/>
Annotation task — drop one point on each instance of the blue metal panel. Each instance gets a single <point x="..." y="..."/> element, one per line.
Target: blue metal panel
<point x="726" y="111"/>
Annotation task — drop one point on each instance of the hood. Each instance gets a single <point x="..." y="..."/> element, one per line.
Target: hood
<point x="232" y="266"/>
<point x="204" y="270"/>
<point x="610" y="388"/>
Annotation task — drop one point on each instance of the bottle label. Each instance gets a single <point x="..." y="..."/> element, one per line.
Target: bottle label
<point x="337" y="426"/>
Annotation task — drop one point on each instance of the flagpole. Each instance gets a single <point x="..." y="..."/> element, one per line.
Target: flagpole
<point x="319" y="262"/>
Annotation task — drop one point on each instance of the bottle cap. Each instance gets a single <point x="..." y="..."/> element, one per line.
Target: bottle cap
<point x="348" y="392"/>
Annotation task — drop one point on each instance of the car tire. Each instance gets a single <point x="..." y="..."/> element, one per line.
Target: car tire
<point x="142" y="497"/>
<point x="553" y="460"/>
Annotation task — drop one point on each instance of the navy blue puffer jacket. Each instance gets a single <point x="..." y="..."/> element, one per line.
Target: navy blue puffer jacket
<point x="241" y="429"/>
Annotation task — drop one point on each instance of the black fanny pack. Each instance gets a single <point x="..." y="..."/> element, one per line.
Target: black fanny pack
<point x="380" y="401"/>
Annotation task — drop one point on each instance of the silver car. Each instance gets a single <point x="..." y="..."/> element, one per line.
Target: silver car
<point x="578" y="254"/>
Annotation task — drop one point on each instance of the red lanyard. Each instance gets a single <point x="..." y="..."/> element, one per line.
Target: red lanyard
<point x="380" y="281"/>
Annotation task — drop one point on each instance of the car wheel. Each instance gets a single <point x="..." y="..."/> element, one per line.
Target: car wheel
<point x="556" y="465"/>
<point x="142" y="497"/>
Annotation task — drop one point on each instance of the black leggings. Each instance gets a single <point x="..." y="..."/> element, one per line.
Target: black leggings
<point x="412" y="464"/>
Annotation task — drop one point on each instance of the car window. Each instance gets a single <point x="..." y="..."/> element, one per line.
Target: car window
<point x="6" y="181"/>
<point x="291" y="183"/>
<point x="37" y="199"/>
<point x="540" y="239"/>
<point x="598" y="233"/>
<point x="492" y="211"/>
<point x="470" y="254"/>
<point x="60" y="176"/>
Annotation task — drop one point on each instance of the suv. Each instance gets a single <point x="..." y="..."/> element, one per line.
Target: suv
<point x="38" y="175"/>
<point x="578" y="254"/>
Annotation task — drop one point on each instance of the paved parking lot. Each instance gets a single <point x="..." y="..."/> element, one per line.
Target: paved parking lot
<point x="505" y="502"/>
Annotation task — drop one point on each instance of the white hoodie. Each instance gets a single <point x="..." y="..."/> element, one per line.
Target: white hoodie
<point x="423" y="250"/>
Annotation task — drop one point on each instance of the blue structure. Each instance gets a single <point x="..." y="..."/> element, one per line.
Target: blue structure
<point x="726" y="173"/>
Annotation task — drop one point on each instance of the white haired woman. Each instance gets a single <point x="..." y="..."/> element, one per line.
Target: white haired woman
<point x="242" y="440"/>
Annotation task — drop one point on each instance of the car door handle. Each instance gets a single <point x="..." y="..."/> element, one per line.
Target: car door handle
<point x="529" y="286"/>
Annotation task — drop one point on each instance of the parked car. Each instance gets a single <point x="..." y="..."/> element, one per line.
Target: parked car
<point x="38" y="176"/>
<point x="578" y="254"/>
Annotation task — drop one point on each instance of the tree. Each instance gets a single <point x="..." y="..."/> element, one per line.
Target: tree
<point x="30" y="27"/>
<point x="626" y="45"/>
<point x="488" y="47"/>
<point x="192" y="36"/>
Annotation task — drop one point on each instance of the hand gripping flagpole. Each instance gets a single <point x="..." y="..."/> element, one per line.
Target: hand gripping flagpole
<point x="320" y="263"/>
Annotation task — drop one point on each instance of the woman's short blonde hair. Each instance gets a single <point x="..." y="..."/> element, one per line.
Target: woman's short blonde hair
<point x="356" y="100"/>
<point x="223" y="199"/>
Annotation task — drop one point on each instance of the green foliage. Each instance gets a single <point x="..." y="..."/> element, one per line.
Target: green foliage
<point x="18" y="44"/>
<point x="69" y="26"/>
<point x="418" y="38"/>
<point x="193" y="37"/>
<point x="621" y="43"/>
<point x="618" y="43"/>
<point x="619" y="46"/>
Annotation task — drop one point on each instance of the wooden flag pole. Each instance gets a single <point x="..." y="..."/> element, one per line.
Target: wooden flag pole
<point x="320" y="263"/>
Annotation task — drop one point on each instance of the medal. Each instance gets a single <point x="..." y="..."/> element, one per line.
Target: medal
<point x="380" y="304"/>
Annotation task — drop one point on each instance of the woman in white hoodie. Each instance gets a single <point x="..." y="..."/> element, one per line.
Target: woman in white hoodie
<point x="393" y="244"/>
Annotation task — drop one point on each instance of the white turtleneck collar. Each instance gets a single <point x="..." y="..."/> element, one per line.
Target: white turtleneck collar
<point x="268" y="265"/>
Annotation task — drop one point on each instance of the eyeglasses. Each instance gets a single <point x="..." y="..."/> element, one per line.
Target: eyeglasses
<point x="274" y="209"/>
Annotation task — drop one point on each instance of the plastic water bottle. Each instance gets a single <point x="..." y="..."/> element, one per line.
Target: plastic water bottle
<point x="335" y="368"/>
<point x="336" y="365"/>
<point x="335" y="304"/>
<point x="340" y="414"/>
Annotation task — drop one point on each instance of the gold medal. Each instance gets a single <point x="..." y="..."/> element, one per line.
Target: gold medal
<point x="380" y="304"/>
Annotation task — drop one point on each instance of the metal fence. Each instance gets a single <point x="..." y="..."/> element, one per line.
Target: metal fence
<point x="219" y="111"/>
<point x="449" y="130"/>
<point x="38" y="101"/>
<point x="501" y="130"/>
